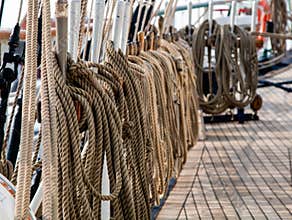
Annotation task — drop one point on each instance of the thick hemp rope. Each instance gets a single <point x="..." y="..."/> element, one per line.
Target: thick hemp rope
<point x="227" y="79"/>
<point x="210" y="95"/>
<point x="240" y="75"/>
<point x="161" y="138"/>
<point x="168" y="110"/>
<point x="28" y="114"/>
<point x="140" y="113"/>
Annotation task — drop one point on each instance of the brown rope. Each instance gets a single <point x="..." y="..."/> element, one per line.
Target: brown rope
<point x="232" y="81"/>
<point x="279" y="18"/>
<point x="168" y="111"/>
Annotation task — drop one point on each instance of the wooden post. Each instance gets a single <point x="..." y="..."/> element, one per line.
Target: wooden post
<point x="141" y="38"/>
<point x="152" y="36"/>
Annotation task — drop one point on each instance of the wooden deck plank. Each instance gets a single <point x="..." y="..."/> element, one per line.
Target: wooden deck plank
<point x="251" y="192"/>
<point x="260" y="174"/>
<point x="240" y="171"/>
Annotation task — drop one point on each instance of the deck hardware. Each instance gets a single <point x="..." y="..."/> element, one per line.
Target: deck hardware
<point x="8" y="75"/>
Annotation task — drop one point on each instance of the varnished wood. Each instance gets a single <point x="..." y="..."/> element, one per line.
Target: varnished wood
<point x="243" y="170"/>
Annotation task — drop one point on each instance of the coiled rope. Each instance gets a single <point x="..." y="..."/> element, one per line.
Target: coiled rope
<point x="228" y="77"/>
<point x="171" y="110"/>
<point x="145" y="145"/>
<point x="211" y="101"/>
<point x="240" y="71"/>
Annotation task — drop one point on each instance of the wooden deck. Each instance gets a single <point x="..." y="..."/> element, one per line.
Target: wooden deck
<point x="240" y="171"/>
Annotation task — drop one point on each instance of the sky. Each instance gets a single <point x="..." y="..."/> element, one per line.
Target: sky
<point x="10" y="13"/>
<point x="11" y="10"/>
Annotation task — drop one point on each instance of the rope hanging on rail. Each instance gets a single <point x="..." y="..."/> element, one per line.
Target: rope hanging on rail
<point x="226" y="67"/>
<point x="140" y="112"/>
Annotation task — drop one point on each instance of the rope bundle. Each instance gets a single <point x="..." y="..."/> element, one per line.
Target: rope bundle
<point x="228" y="78"/>
<point x="279" y="18"/>
<point x="118" y="122"/>
<point x="138" y="112"/>
<point x="171" y="105"/>
<point x="102" y="102"/>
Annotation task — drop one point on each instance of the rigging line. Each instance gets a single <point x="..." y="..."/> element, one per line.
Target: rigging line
<point x="145" y="15"/>
<point x="169" y="21"/>
<point x="167" y="15"/>
<point x="1" y="11"/>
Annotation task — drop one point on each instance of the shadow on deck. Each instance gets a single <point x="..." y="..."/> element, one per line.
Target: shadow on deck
<point x="240" y="171"/>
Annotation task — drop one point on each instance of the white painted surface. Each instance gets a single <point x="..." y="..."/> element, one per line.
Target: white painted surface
<point x="98" y="20"/>
<point x="232" y="15"/>
<point x="73" y="27"/>
<point x="7" y="201"/>
<point x="117" y="26"/>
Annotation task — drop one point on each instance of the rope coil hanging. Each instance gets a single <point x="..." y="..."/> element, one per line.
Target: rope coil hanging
<point x="172" y="109"/>
<point x="140" y="112"/>
<point x="228" y="78"/>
